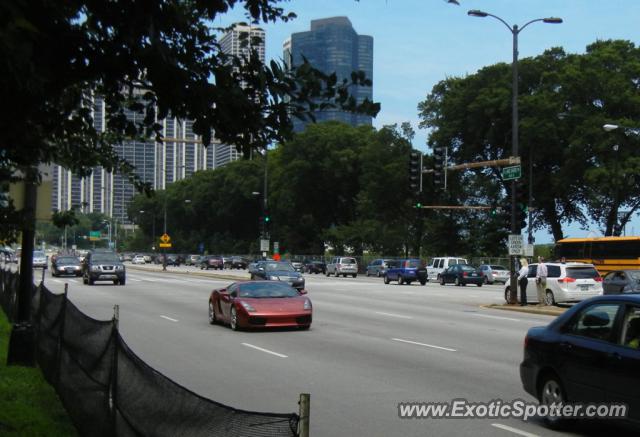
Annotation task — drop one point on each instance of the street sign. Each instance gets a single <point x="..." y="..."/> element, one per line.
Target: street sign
<point x="165" y="239"/>
<point x="94" y="235"/>
<point x="264" y="245"/>
<point x="515" y="244"/>
<point x="165" y="245"/>
<point x="528" y="250"/>
<point x="510" y="173"/>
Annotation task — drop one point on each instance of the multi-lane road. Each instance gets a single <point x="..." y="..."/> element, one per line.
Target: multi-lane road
<point x="370" y="347"/>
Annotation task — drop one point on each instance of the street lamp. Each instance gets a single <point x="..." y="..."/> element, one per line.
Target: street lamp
<point x="515" y="30"/>
<point x="108" y="231"/>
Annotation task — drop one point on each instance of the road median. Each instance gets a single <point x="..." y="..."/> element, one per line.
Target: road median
<point x="530" y="309"/>
<point x="233" y="276"/>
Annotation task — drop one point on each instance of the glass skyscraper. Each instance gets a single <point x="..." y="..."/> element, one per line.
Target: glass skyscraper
<point x="332" y="45"/>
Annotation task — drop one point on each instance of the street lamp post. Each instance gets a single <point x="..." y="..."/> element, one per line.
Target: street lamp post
<point x="515" y="31"/>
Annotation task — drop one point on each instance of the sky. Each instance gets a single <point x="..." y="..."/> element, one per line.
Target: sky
<point x="418" y="43"/>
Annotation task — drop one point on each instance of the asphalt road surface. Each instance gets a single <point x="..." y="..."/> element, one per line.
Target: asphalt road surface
<point x="370" y="347"/>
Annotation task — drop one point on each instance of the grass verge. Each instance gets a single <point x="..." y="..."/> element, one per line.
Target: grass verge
<point x="29" y="406"/>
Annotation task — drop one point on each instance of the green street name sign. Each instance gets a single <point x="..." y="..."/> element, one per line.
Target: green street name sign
<point x="510" y="173"/>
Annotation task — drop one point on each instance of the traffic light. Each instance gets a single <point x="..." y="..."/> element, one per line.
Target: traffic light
<point x="418" y="205"/>
<point x="522" y="201"/>
<point x="438" y="166"/>
<point x="415" y="172"/>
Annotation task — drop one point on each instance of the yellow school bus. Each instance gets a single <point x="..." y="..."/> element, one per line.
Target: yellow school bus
<point x="606" y="253"/>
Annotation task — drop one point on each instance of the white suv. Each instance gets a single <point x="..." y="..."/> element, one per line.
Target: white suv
<point x="440" y="264"/>
<point x="566" y="282"/>
<point x="343" y="265"/>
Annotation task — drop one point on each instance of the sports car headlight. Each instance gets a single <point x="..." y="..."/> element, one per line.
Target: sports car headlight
<point x="248" y="307"/>
<point x="307" y="304"/>
<point x="274" y="278"/>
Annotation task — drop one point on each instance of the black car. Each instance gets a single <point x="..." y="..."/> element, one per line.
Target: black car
<point x="103" y="266"/>
<point x="238" y="262"/>
<point x="591" y="353"/>
<point x="461" y="274"/>
<point x="315" y="267"/>
<point x="621" y="281"/>
<point x="277" y="271"/>
<point x="65" y="265"/>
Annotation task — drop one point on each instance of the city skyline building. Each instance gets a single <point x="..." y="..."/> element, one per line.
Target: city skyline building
<point x="332" y="45"/>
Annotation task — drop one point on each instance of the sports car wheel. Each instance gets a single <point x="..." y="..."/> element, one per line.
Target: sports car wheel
<point x="233" y="322"/>
<point x="212" y="314"/>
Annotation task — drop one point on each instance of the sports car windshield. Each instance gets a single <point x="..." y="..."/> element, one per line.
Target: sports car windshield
<point x="266" y="289"/>
<point x="278" y="266"/>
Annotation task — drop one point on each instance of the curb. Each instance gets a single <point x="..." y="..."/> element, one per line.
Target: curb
<point x="547" y="311"/>
<point x="206" y="275"/>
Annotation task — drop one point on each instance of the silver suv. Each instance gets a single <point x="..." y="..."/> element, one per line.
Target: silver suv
<point x="343" y="265"/>
<point x="566" y="282"/>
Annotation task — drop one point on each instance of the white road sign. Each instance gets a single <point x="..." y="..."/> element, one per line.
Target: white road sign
<point x="515" y="244"/>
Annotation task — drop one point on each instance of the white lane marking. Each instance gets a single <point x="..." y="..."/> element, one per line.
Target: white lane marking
<point x="393" y="315"/>
<point x="134" y="280"/>
<point x="514" y="430"/>
<point x="496" y="317"/>
<point x="169" y="318"/>
<point x="57" y="281"/>
<point x="264" y="350"/>
<point x="424" y="344"/>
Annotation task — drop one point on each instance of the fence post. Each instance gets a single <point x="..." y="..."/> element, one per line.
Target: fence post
<point x="113" y="394"/>
<point x="304" y="410"/>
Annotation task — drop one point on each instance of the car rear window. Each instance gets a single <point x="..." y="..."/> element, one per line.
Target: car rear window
<point x="582" y="272"/>
<point x="554" y="272"/>
<point x="498" y="268"/>
<point x="412" y="263"/>
<point x="466" y="268"/>
<point x="348" y="261"/>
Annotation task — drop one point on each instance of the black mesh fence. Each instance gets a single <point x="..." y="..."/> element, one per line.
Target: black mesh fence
<point x="108" y="390"/>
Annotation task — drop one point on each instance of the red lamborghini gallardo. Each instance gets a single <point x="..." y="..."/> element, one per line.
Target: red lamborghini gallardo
<point x="260" y="304"/>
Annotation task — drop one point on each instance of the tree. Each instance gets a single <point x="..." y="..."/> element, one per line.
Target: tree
<point x="155" y="58"/>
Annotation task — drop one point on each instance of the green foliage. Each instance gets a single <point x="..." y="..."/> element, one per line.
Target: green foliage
<point x="29" y="406"/>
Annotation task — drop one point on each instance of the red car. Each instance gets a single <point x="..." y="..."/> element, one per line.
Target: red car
<point x="259" y="304"/>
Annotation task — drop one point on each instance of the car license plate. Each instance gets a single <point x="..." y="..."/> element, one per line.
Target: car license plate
<point x="584" y="287"/>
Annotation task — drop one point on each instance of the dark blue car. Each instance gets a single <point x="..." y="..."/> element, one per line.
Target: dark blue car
<point x="591" y="353"/>
<point x="406" y="271"/>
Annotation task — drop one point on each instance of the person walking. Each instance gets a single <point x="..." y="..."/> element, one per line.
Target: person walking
<point x="523" y="281"/>
<point x="541" y="280"/>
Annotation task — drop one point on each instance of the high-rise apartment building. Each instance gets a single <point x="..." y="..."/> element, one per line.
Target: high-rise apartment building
<point x="159" y="164"/>
<point x="332" y="45"/>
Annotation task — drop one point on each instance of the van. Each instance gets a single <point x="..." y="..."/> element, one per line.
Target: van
<point x="439" y="264"/>
<point x="343" y="265"/>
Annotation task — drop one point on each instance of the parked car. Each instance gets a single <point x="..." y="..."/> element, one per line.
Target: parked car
<point x="148" y="258"/>
<point x="405" y="271"/>
<point x="39" y="260"/>
<point x="494" y="273"/>
<point x="588" y="354"/>
<point x="461" y="274"/>
<point x="138" y="259"/>
<point x="226" y="262"/>
<point x="260" y="304"/>
<point x="192" y="260"/>
<point x="211" y="262"/>
<point x="440" y="264"/>
<point x="103" y="266"/>
<point x="621" y="281"/>
<point x="238" y="262"/>
<point x="566" y="282"/>
<point x="315" y="267"/>
<point x="9" y="256"/>
<point x="66" y="265"/>
<point x="342" y="265"/>
<point x="278" y="271"/>
<point x="378" y="267"/>
<point x="174" y="260"/>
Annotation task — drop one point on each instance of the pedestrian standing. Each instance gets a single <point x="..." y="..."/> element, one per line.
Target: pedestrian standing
<point x="541" y="280"/>
<point x="523" y="281"/>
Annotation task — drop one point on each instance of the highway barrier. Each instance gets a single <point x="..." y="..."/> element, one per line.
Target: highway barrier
<point x="108" y="390"/>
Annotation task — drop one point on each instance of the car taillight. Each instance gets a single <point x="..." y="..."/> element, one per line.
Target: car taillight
<point x="526" y="341"/>
<point x="464" y="274"/>
<point x="598" y="278"/>
<point x="567" y="280"/>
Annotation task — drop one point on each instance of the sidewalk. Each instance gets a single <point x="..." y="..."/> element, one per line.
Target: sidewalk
<point x="531" y="309"/>
<point x="230" y="274"/>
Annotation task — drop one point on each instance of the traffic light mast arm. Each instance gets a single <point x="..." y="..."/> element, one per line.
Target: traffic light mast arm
<point x="493" y="163"/>
<point x="456" y="207"/>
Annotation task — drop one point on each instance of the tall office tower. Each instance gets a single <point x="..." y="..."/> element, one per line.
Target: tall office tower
<point x="332" y="45"/>
<point x="240" y="41"/>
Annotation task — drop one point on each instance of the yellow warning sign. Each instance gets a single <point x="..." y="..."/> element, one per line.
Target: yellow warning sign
<point x="165" y="239"/>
